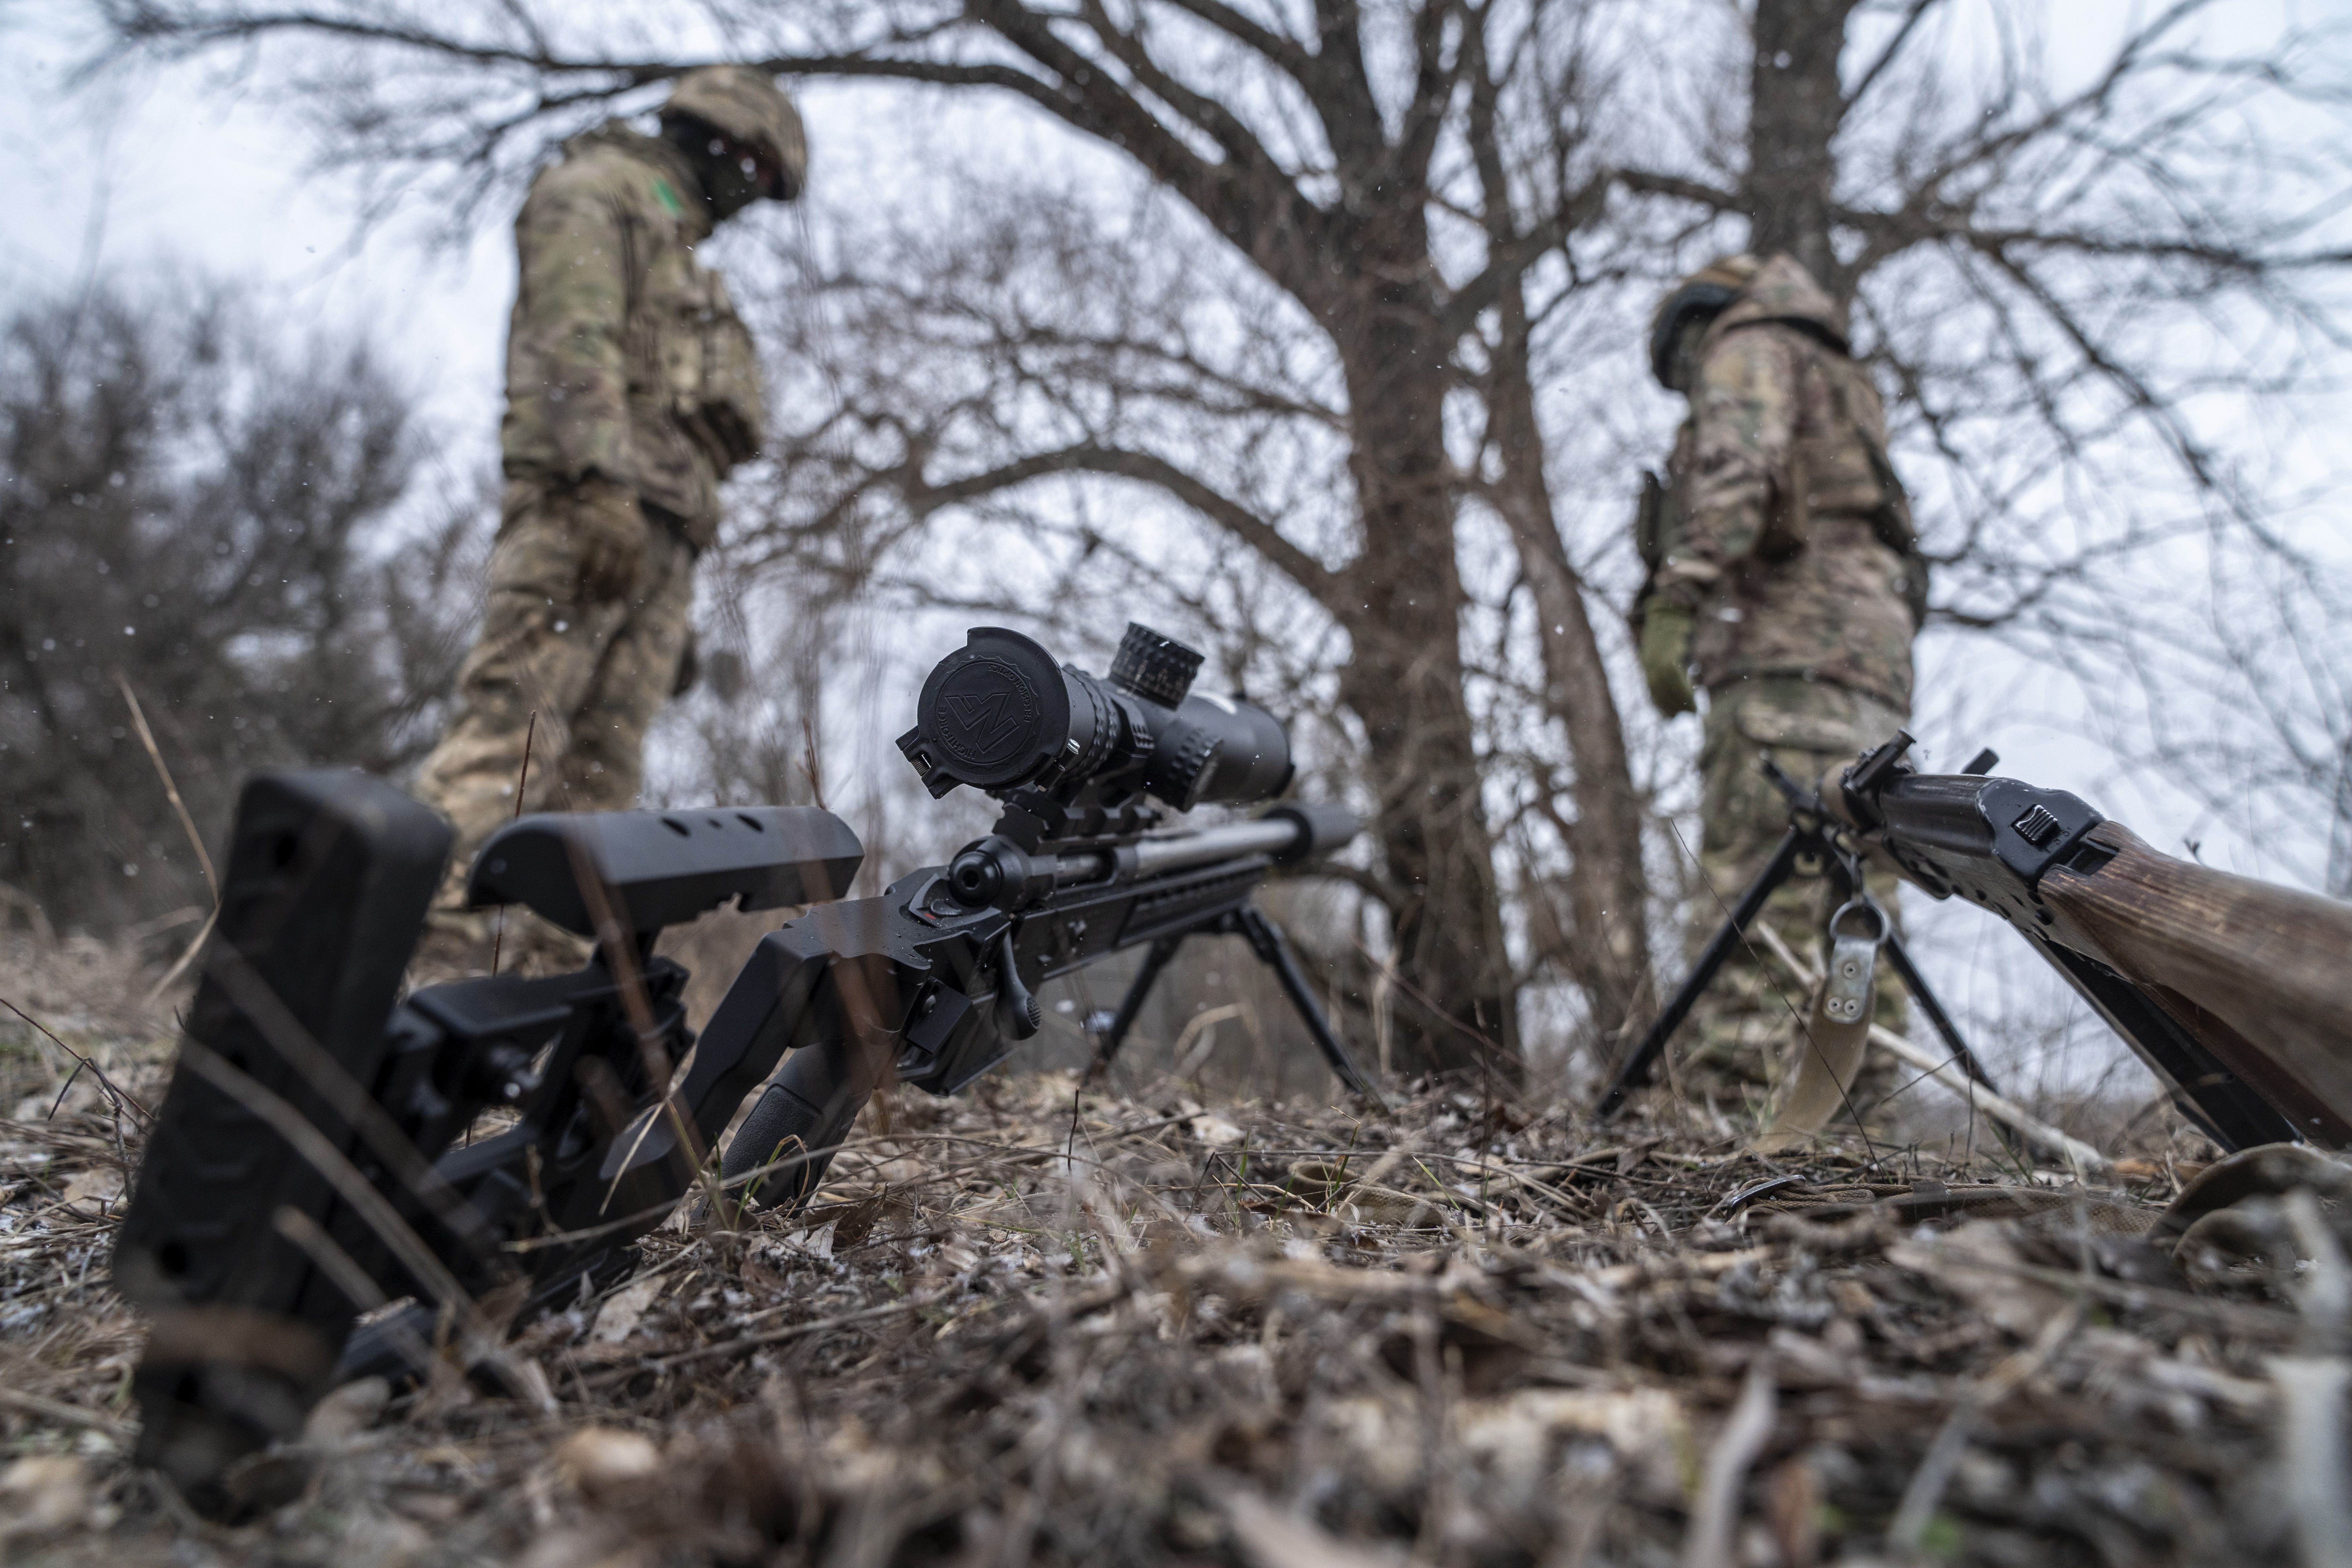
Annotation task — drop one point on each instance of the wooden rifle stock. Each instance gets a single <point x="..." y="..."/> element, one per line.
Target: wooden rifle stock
<point x="2261" y="975"/>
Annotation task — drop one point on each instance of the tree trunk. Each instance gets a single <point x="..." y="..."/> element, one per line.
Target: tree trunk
<point x="1793" y="115"/>
<point x="1453" y="1003"/>
<point x="1606" y="947"/>
<point x="1364" y="268"/>
<point x="1607" y="950"/>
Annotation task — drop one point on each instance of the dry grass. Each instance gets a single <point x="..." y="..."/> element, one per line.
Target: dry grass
<point x="1036" y="1324"/>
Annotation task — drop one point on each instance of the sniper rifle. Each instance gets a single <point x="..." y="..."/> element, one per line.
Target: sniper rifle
<point x="328" y="1148"/>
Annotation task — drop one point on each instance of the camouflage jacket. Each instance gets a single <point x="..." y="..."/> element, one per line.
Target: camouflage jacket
<point x="1783" y="522"/>
<point x="625" y="358"/>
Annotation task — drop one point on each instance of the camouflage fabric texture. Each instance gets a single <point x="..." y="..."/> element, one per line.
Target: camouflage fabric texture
<point x="625" y="358"/>
<point x="626" y="366"/>
<point x="1739" y="1041"/>
<point x="1784" y="529"/>
<point x="575" y="678"/>
<point x="1780" y="503"/>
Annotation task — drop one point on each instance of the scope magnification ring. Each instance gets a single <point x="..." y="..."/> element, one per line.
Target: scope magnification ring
<point x="1177" y="772"/>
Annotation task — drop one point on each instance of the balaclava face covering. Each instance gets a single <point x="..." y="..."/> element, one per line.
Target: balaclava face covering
<point x="725" y="184"/>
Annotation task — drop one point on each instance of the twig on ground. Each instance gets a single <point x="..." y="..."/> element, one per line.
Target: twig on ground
<point x="171" y="790"/>
<point x="188" y="826"/>
<point x="113" y="1092"/>
<point x="754" y="1342"/>
<point x="1744" y="1434"/>
<point x="63" y="1415"/>
<point x="1926" y="1492"/>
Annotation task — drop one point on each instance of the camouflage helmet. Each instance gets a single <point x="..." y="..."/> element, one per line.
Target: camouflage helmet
<point x="746" y="105"/>
<point x="1704" y="293"/>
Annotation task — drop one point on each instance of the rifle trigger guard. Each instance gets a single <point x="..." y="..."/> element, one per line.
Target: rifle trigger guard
<point x="1852" y="960"/>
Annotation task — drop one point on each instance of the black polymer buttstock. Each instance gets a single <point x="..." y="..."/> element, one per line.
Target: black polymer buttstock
<point x="328" y="876"/>
<point x="656" y="869"/>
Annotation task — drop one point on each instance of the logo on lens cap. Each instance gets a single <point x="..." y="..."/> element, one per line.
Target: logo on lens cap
<point x="987" y="711"/>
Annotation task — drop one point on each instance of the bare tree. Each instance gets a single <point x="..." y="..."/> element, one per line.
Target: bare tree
<point x="187" y="511"/>
<point x="1328" y="149"/>
<point x="2078" y="272"/>
<point x="1366" y="245"/>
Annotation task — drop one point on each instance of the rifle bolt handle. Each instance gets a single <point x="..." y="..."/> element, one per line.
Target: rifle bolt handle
<point x="1017" y="1011"/>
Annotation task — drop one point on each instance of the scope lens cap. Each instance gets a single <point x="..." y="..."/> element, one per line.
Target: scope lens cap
<point x="995" y="712"/>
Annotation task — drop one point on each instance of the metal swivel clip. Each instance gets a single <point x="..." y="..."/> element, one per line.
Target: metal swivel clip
<point x="1852" y="960"/>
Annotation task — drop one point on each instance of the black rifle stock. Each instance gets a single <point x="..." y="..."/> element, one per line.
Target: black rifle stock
<point x="306" y="1165"/>
<point x="2237" y="994"/>
<point x="302" y="1169"/>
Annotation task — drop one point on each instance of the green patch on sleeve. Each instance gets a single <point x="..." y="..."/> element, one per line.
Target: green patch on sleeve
<point x="669" y="198"/>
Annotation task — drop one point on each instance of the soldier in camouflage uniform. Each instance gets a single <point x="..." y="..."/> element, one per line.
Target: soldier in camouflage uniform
<point x="632" y="390"/>
<point x="1784" y="571"/>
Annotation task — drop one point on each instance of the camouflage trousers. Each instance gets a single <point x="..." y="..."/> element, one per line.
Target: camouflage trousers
<point x="1740" y="1040"/>
<point x="577" y="681"/>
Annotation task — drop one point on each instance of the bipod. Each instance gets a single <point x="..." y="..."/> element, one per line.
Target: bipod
<point x="1265" y="940"/>
<point x="1808" y="842"/>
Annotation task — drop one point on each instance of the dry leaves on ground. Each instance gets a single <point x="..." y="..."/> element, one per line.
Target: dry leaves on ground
<point x="1036" y="1325"/>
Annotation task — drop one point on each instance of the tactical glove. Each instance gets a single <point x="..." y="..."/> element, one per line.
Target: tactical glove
<point x="1665" y="656"/>
<point x="609" y="527"/>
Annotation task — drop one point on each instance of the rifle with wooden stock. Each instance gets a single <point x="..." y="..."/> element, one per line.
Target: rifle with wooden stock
<point x="2236" y="992"/>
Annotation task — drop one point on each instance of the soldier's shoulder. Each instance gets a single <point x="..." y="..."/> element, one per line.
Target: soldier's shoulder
<point x="605" y="165"/>
<point x="1788" y="340"/>
<point x="1783" y="294"/>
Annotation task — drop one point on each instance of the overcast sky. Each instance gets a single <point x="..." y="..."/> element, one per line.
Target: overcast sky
<point x="145" y="170"/>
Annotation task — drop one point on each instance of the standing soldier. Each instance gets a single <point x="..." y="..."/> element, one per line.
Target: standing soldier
<point x="632" y="390"/>
<point x="1784" y="571"/>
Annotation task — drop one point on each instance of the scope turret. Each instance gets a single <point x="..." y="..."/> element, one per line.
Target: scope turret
<point x="1000" y="715"/>
<point x="1154" y="668"/>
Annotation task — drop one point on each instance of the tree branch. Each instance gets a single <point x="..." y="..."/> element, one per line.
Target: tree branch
<point x="1653" y="183"/>
<point x="1509" y="258"/>
<point x="1311" y="576"/>
<point x="1249" y="200"/>
<point x="1433" y="90"/>
<point x="1283" y="50"/>
<point x="1886" y="57"/>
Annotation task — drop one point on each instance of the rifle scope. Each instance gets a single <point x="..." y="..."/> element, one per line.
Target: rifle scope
<point x="1000" y="715"/>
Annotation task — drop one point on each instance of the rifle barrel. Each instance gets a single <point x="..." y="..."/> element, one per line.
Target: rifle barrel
<point x="1279" y="836"/>
<point x="1177" y="851"/>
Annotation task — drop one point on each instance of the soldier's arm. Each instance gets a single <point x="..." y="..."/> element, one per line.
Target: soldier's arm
<point x="571" y="318"/>
<point x="1744" y="418"/>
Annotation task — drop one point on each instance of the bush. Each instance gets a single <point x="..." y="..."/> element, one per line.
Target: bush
<point x="209" y="517"/>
